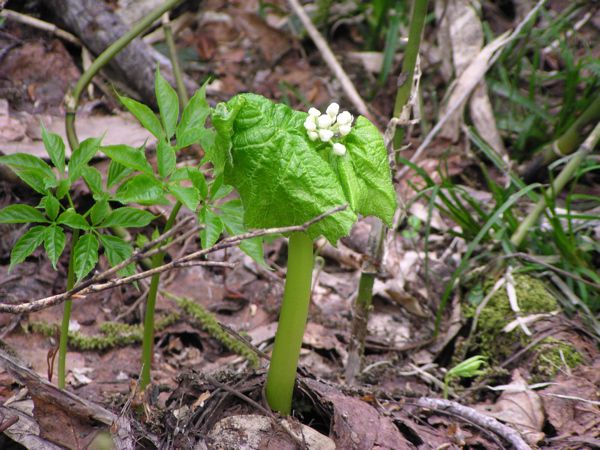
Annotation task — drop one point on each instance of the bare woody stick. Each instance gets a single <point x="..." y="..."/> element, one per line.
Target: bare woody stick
<point x="331" y="61"/>
<point x="94" y="285"/>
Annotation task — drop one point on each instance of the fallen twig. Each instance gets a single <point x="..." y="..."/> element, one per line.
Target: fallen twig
<point x="94" y="285"/>
<point x="470" y="414"/>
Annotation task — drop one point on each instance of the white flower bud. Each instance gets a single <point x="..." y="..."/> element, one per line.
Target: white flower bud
<point x="313" y="135"/>
<point x="314" y="112"/>
<point x="345" y="118"/>
<point x="324" y="121"/>
<point x="325" y="135"/>
<point x="332" y="110"/>
<point x="344" y="129"/>
<point x="310" y="123"/>
<point x="339" y="149"/>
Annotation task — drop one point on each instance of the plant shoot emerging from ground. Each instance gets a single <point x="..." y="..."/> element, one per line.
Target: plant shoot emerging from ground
<point x="288" y="167"/>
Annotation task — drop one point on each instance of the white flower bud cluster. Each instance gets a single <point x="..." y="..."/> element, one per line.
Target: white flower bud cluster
<point x="328" y="126"/>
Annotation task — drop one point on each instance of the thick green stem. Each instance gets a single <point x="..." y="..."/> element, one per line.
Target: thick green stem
<point x="73" y="100"/>
<point x="292" y="321"/>
<point x="417" y="22"/>
<point x="64" y="328"/>
<point x="559" y="183"/>
<point x="148" y="341"/>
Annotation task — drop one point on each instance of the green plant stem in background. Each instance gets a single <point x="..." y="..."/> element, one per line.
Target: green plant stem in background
<point x="567" y="143"/>
<point x="177" y="73"/>
<point x="559" y="183"/>
<point x="64" y="328"/>
<point x="148" y="342"/>
<point x="73" y="99"/>
<point x="417" y="22"/>
<point x="364" y="299"/>
<point x="292" y="321"/>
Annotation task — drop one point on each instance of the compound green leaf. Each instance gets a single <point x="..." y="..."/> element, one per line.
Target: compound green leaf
<point x="32" y="170"/>
<point x="85" y="255"/>
<point x="165" y="159"/>
<point x="81" y="156"/>
<point x="54" y="243"/>
<point x="213" y="227"/>
<point x="99" y="211"/>
<point x="26" y="245"/>
<point x="191" y="126"/>
<point x="143" y="189"/>
<point x="55" y="147"/>
<point x="134" y="158"/>
<point x="116" y="173"/>
<point x="21" y="214"/>
<point x="168" y="103"/>
<point x="189" y="196"/>
<point x="51" y="205"/>
<point x="144" y="115"/>
<point x="93" y="178"/>
<point x="73" y="220"/>
<point x="116" y="251"/>
<point x="127" y="217"/>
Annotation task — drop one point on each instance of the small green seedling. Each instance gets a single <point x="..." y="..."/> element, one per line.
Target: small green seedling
<point x="469" y="368"/>
<point x="289" y="167"/>
<point x="56" y="214"/>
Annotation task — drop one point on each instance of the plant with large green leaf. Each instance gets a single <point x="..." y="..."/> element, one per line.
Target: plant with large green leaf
<point x="56" y="214"/>
<point x="289" y="167"/>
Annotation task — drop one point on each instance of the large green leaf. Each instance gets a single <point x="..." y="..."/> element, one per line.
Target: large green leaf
<point x="144" y="115"/>
<point x="127" y="217"/>
<point x="131" y="157"/>
<point x="85" y="255"/>
<point x="32" y="170"/>
<point x="81" y="156"/>
<point x="21" y="214"/>
<point x="191" y="127"/>
<point x="168" y="103"/>
<point x="54" y="243"/>
<point x="143" y="189"/>
<point x="116" y="251"/>
<point x="365" y="172"/>
<point x="26" y="244"/>
<point x="280" y="175"/>
<point x="55" y="147"/>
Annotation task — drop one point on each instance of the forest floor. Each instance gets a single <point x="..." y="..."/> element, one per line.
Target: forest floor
<point x="544" y="386"/>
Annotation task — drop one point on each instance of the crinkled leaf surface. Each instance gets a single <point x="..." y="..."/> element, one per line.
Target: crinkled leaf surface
<point x="285" y="179"/>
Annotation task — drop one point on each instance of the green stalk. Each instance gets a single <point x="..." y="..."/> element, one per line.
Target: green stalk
<point x="64" y="328"/>
<point x="559" y="183"/>
<point x="72" y="102"/>
<point x="567" y="143"/>
<point x="177" y="73"/>
<point x="364" y="300"/>
<point x="292" y="321"/>
<point x="148" y="341"/>
<point x="417" y="22"/>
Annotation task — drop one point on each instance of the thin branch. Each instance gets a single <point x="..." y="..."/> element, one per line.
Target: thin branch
<point x="331" y="60"/>
<point x="93" y="285"/>
<point x="510" y="435"/>
<point x="40" y="25"/>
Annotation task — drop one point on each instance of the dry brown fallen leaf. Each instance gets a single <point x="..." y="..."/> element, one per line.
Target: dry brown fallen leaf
<point x="519" y="407"/>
